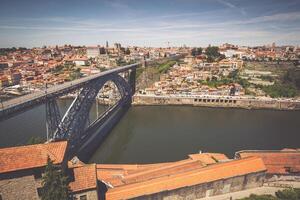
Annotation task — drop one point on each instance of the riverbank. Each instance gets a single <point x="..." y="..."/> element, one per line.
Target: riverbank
<point x="217" y="101"/>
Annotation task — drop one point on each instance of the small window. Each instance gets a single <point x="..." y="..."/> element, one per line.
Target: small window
<point x="83" y="197"/>
<point x="39" y="191"/>
<point x="0" y="197"/>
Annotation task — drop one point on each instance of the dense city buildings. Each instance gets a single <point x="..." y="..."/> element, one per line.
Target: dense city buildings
<point x="207" y="71"/>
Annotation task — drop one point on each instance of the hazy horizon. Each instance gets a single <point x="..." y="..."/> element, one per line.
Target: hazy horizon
<point x="153" y="23"/>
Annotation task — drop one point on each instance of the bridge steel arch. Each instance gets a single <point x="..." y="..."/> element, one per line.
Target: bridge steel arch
<point x="73" y="125"/>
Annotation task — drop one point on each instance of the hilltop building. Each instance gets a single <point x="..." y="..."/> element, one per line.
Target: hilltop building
<point x="92" y="52"/>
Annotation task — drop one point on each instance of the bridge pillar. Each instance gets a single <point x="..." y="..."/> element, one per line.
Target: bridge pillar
<point x="132" y="77"/>
<point x="52" y="117"/>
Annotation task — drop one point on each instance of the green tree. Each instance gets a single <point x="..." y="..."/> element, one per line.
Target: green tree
<point x="280" y="90"/>
<point x="196" y="51"/>
<point x="210" y="59"/>
<point x="163" y="68"/>
<point x="292" y="76"/>
<point x="212" y="52"/>
<point x="260" y="197"/>
<point x="55" y="184"/>
<point x="35" y="140"/>
<point x="287" y="194"/>
<point x="233" y="74"/>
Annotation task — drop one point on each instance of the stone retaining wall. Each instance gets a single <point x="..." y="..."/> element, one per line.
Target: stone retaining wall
<point x="223" y="102"/>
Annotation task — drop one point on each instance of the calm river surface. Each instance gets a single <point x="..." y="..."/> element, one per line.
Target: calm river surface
<point x="167" y="133"/>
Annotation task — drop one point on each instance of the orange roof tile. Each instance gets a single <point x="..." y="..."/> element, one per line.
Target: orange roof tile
<point x="190" y="177"/>
<point x="277" y="162"/>
<point x="85" y="177"/>
<point x="31" y="156"/>
<point x="119" y="174"/>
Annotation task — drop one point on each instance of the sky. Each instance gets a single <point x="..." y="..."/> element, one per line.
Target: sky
<point x="157" y="23"/>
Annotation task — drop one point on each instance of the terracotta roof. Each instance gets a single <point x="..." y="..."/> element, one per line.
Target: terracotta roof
<point x="277" y="162"/>
<point x="31" y="156"/>
<point x="85" y="178"/>
<point x="192" y="175"/>
<point x="120" y="174"/>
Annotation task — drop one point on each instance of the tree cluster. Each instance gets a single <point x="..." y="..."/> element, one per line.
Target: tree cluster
<point x="55" y="184"/>
<point x="287" y="194"/>
<point x="213" y="54"/>
<point x="292" y="76"/>
<point x="196" y="51"/>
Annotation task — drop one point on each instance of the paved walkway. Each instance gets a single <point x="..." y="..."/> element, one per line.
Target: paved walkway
<point x="258" y="191"/>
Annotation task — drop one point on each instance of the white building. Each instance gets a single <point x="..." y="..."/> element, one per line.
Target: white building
<point x="92" y="52"/>
<point x="81" y="61"/>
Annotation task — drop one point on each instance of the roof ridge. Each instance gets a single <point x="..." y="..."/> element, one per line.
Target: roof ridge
<point x="49" y="150"/>
<point x="173" y="165"/>
<point x="211" y="167"/>
<point x="46" y="148"/>
<point x="190" y="178"/>
<point x="20" y="147"/>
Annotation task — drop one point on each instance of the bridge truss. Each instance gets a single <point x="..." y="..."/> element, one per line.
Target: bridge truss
<point x="74" y="126"/>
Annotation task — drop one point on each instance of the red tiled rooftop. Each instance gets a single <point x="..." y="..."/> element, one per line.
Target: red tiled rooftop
<point x="117" y="174"/>
<point x="191" y="176"/>
<point x="277" y="162"/>
<point x="85" y="178"/>
<point x="31" y="156"/>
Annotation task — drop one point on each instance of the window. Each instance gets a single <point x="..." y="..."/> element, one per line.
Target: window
<point x="83" y="197"/>
<point x="0" y="197"/>
<point x="39" y="191"/>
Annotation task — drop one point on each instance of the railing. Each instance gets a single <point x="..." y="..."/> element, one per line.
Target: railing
<point x="72" y="84"/>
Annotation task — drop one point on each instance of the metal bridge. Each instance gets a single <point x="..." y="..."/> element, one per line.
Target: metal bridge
<point x="74" y="125"/>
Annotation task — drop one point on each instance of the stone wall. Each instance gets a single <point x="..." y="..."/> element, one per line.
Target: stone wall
<point x="24" y="188"/>
<point x="210" y="189"/>
<point x="229" y="102"/>
<point x="283" y="177"/>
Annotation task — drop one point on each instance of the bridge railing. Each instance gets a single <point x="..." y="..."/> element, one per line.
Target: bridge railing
<point x="72" y="84"/>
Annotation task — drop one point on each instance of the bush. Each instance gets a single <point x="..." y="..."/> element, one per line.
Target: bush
<point x="260" y="197"/>
<point x="267" y="78"/>
<point x="163" y="68"/>
<point x="287" y="194"/>
<point x="292" y="76"/>
<point x="280" y="90"/>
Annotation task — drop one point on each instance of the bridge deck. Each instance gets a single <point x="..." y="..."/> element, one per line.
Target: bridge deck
<point x="62" y="87"/>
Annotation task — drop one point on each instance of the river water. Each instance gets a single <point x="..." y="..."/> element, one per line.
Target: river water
<point x="149" y="134"/>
